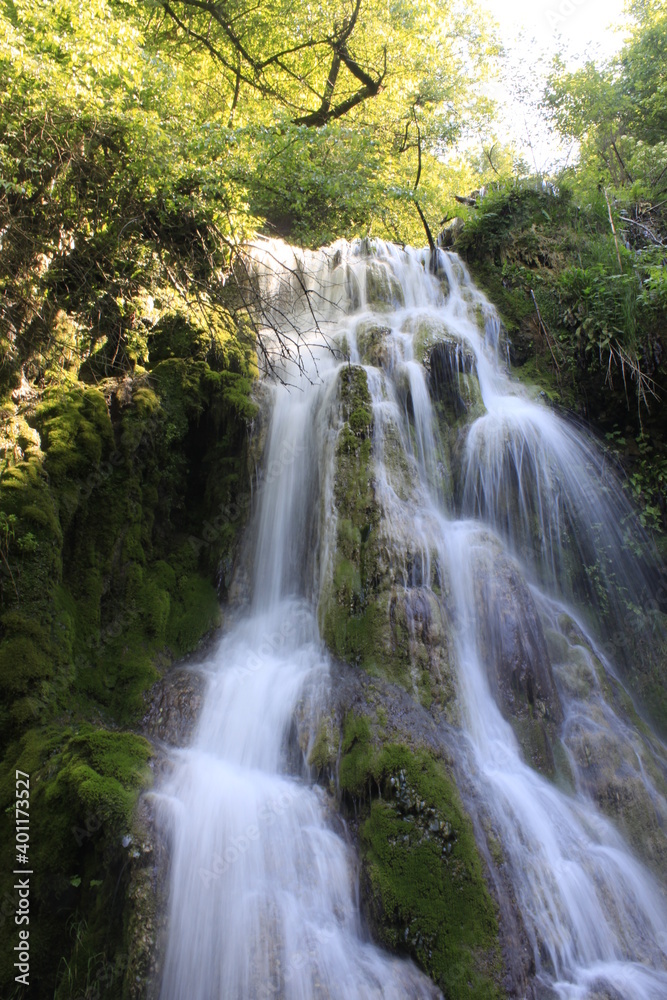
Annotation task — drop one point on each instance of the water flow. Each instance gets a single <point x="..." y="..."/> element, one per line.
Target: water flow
<point x="263" y="898"/>
<point x="486" y="498"/>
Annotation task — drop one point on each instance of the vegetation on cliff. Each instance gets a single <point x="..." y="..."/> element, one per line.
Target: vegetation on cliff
<point x="576" y="265"/>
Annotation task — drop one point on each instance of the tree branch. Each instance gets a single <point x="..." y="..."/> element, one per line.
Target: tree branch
<point x="370" y="89"/>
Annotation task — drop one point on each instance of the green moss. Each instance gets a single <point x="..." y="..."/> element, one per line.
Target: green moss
<point x="357" y="755"/>
<point x="22" y="663"/>
<point x="84" y="783"/>
<point x="422" y="878"/>
<point x="76" y="435"/>
<point x="361" y="622"/>
<point x="195" y="612"/>
<point x="372" y="343"/>
<point x="383" y="290"/>
<point x="323" y="752"/>
<point x="112" y="576"/>
<point x="372" y="638"/>
<point x="103" y="772"/>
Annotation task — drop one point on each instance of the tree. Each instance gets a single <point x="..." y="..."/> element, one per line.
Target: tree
<point x="619" y="109"/>
<point x="300" y="55"/>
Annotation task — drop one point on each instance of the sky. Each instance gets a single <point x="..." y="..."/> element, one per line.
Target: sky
<point x="532" y="32"/>
<point x="581" y="23"/>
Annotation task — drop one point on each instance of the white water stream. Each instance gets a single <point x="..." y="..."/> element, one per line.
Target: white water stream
<point x="263" y="899"/>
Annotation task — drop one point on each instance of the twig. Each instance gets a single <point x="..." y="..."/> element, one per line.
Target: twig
<point x="646" y="229"/>
<point x="644" y="382"/>
<point x="11" y="575"/>
<point x="620" y="160"/>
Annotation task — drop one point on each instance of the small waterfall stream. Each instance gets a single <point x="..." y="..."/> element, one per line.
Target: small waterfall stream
<point x="500" y="514"/>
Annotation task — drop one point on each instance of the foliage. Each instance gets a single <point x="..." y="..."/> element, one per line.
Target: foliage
<point x="577" y="266"/>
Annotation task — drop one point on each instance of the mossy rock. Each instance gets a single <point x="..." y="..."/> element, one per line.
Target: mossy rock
<point x="423" y="888"/>
<point x="372" y="343"/>
<point x="114" y="574"/>
<point x="323" y="750"/>
<point x="84" y="784"/>
<point x="383" y="291"/>
<point x="370" y="613"/>
<point x="454" y="384"/>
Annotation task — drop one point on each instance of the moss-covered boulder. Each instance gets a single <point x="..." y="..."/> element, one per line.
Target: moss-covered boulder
<point x="422" y="879"/>
<point x="454" y="383"/>
<point x="372" y="343"/>
<point x="381" y="289"/>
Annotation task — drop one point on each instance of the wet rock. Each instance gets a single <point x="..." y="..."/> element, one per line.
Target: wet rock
<point x="382" y="289"/>
<point x="175" y="703"/>
<point x="422" y="882"/>
<point x="450" y="232"/>
<point x="145" y="906"/>
<point x="372" y="344"/>
<point x="454" y="384"/>
<point x="513" y="643"/>
<point x="618" y="762"/>
<point x="623" y="778"/>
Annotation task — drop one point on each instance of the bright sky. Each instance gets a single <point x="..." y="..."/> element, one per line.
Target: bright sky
<point x="533" y="31"/>
<point x="581" y="23"/>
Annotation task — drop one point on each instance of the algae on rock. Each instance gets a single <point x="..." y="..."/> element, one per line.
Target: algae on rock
<point x="422" y="881"/>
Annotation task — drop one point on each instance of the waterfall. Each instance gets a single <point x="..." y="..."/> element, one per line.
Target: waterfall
<point x="488" y="510"/>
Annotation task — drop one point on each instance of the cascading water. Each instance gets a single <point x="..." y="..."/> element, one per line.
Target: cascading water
<point x="491" y="509"/>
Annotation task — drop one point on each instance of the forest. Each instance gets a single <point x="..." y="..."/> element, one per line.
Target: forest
<point x="145" y="147"/>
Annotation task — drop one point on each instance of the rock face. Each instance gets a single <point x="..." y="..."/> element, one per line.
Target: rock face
<point x="448" y="234"/>
<point x="454" y="383"/>
<point x="146" y="907"/>
<point x="175" y="702"/>
<point x="616" y="760"/>
<point x="372" y="343"/>
<point x="422" y="879"/>
<point x="174" y="707"/>
<point x="377" y="609"/>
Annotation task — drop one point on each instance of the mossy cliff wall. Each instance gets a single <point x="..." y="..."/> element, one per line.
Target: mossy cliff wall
<point x="121" y="501"/>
